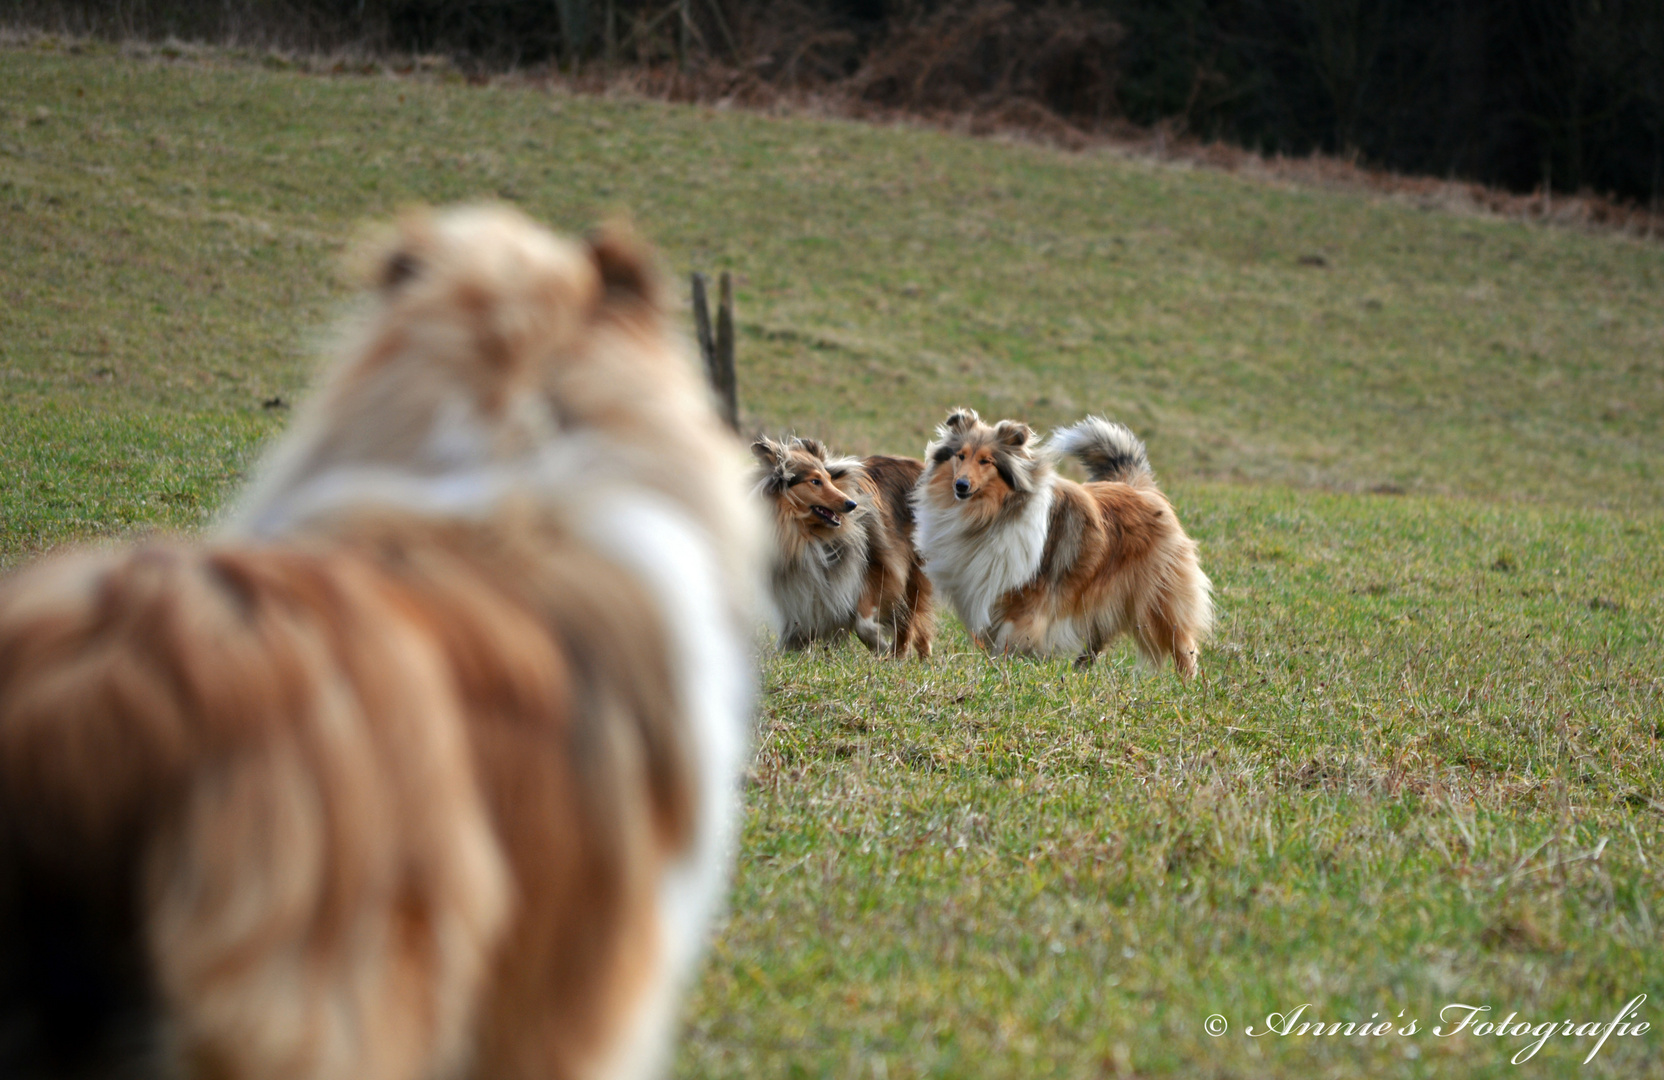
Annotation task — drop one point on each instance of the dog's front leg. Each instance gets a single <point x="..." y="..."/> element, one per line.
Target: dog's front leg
<point x="867" y="627"/>
<point x="871" y="635"/>
<point x="1024" y="637"/>
<point x="1020" y="624"/>
<point x="1089" y="651"/>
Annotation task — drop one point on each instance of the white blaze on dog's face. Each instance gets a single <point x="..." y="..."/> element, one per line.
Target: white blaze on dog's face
<point x="980" y="465"/>
<point x="972" y="469"/>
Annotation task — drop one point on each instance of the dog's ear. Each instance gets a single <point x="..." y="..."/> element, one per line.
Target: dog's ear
<point x="812" y="447"/>
<point x="389" y="256"/>
<point x="398" y="268"/>
<point x="626" y="264"/>
<point x="767" y="451"/>
<point x="962" y="420"/>
<point x="1013" y="433"/>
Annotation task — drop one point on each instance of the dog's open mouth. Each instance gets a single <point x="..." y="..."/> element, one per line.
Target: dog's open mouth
<point x="827" y="517"/>
<point x="961" y="495"/>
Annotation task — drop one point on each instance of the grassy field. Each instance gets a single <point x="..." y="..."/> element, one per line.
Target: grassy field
<point x="1422" y="453"/>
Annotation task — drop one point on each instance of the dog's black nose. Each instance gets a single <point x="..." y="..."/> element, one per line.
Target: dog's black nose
<point x="849" y="504"/>
<point x="962" y="486"/>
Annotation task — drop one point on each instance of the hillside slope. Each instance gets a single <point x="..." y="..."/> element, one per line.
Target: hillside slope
<point x="1248" y="331"/>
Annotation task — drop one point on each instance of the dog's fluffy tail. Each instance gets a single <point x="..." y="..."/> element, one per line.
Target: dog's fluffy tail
<point x="1110" y="451"/>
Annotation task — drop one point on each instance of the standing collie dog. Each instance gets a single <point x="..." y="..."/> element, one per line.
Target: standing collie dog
<point x="426" y="767"/>
<point x="844" y="557"/>
<point x="1035" y="563"/>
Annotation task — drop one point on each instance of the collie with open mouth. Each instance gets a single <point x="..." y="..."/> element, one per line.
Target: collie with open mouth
<point x="844" y="558"/>
<point x="1036" y="563"/>
<point x="426" y="766"/>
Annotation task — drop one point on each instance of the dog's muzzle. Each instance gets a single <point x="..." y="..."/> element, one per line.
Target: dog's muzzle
<point x="830" y="517"/>
<point x="961" y="489"/>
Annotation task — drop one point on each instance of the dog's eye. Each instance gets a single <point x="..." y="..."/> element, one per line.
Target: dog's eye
<point x="815" y="482"/>
<point x="960" y="455"/>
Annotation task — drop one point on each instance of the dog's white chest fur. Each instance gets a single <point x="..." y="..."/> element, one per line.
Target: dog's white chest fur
<point x="976" y="566"/>
<point x="818" y="590"/>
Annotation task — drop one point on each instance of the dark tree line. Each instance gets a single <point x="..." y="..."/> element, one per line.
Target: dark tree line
<point x="1567" y="94"/>
<point x="1519" y="93"/>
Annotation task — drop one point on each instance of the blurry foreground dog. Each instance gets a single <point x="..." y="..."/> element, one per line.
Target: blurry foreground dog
<point x="1036" y="563"/>
<point x="844" y="557"/>
<point x="427" y="766"/>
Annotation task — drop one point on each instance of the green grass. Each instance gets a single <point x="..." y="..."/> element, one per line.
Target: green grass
<point x="1424" y="712"/>
<point x="1374" y="803"/>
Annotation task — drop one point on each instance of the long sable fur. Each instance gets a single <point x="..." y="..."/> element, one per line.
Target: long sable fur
<point x="844" y="557"/>
<point x="1035" y="563"/>
<point x="426" y="766"/>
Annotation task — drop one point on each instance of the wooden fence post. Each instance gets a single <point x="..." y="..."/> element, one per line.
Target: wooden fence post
<point x="702" y="328"/>
<point x="717" y="350"/>
<point x="727" y="389"/>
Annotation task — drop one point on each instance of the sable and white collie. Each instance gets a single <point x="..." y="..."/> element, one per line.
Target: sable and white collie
<point x="844" y="557"/>
<point x="1036" y="563"/>
<point x="427" y="765"/>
